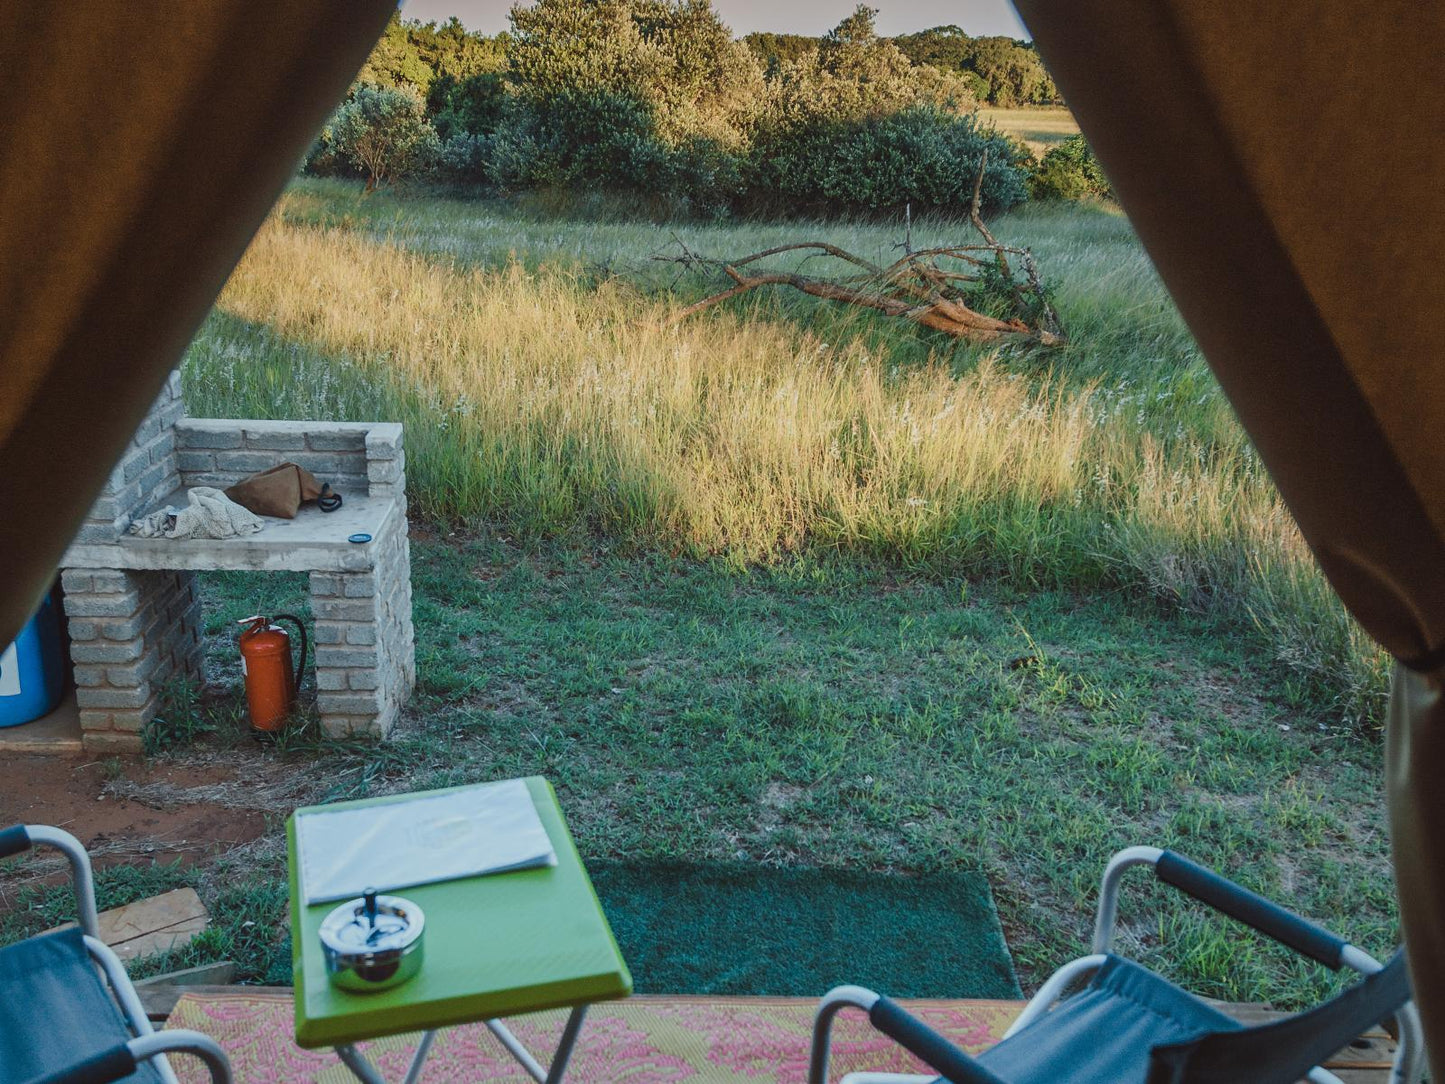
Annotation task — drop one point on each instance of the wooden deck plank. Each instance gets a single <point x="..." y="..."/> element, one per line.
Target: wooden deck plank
<point x="158" y="924"/>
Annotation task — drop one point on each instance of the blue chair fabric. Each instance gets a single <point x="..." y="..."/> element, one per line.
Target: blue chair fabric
<point x="1129" y="1026"/>
<point x="1277" y="1052"/>
<point x="1106" y="1031"/>
<point x="56" y="1010"/>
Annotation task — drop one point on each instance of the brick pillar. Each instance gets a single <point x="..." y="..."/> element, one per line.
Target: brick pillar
<point x="365" y="658"/>
<point x="131" y="633"/>
<point x="386" y="476"/>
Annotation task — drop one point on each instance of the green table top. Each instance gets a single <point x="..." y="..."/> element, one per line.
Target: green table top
<point x="496" y="945"/>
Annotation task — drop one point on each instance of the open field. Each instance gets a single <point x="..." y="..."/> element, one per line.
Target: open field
<point x="814" y="714"/>
<point x="1041" y="127"/>
<point x="791" y="584"/>
<point x="543" y="389"/>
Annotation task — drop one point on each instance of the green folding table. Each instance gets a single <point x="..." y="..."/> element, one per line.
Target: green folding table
<point x="497" y="945"/>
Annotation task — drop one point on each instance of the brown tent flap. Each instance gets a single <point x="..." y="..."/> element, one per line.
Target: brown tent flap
<point x="1282" y="164"/>
<point x="143" y="143"/>
<point x="1283" y="167"/>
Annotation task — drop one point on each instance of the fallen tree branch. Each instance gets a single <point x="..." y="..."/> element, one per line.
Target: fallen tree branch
<point x="931" y="287"/>
<point x="951" y="318"/>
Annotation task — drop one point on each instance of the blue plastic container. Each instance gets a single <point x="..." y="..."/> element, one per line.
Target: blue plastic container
<point x="32" y="669"/>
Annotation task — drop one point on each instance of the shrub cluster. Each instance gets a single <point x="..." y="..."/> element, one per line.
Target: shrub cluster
<point x="383" y="131"/>
<point x="655" y="99"/>
<point x="1070" y="171"/>
<point x="921" y="156"/>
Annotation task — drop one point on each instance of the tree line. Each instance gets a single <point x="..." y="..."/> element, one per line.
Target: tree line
<point x="999" y="71"/>
<point x="655" y="100"/>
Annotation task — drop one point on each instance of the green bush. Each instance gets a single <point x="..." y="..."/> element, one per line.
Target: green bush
<point x="473" y="105"/>
<point x="653" y="101"/>
<point x="383" y="131"/>
<point x="609" y="143"/>
<point x="1070" y="171"/>
<point x="578" y="138"/>
<point x="922" y="156"/>
<point x="853" y="126"/>
<point x="705" y="179"/>
<point x="325" y="159"/>
<point x="1003" y="72"/>
<point x="853" y="75"/>
<point x="464" y="160"/>
<point x="675" y="58"/>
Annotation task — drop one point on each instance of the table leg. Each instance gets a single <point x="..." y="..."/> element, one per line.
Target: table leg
<point x="361" y="1067"/>
<point x="419" y="1058"/>
<point x="517" y="1050"/>
<point x="524" y="1057"/>
<point x="565" y="1045"/>
<point x="365" y="1072"/>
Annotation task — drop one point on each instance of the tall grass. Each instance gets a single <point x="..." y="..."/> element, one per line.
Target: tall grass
<point x="541" y="394"/>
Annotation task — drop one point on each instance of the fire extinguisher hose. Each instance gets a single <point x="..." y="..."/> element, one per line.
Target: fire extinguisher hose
<point x="301" y="632"/>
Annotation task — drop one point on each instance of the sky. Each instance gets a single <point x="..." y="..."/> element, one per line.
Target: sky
<point x="977" y="17"/>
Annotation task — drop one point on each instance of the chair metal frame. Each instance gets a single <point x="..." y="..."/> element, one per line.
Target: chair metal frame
<point x="147" y="1043"/>
<point x="1408" y="1066"/>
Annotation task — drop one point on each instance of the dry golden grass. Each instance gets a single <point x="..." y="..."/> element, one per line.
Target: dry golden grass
<point x="1041" y="127"/>
<point x="549" y="402"/>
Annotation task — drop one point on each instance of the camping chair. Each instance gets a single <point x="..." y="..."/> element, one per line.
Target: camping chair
<point x="1129" y="1026"/>
<point x="68" y="1011"/>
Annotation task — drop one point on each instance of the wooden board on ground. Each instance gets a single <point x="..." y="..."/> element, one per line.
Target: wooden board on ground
<point x="217" y="974"/>
<point x="158" y="924"/>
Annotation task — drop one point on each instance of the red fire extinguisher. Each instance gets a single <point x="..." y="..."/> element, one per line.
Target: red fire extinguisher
<point x="271" y="683"/>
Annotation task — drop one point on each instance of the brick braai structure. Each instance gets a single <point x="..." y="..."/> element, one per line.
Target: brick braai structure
<point x="130" y="633"/>
<point x="132" y="604"/>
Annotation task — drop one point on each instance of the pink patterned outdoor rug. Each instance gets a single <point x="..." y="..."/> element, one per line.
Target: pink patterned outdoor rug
<point x="644" y="1040"/>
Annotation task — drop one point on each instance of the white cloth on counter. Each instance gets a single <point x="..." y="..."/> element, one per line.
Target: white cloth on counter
<point x="210" y="514"/>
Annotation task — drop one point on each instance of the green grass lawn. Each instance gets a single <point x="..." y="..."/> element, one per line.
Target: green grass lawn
<point x="835" y="716"/>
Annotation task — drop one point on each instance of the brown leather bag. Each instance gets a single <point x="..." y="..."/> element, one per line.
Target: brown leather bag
<point x="276" y="492"/>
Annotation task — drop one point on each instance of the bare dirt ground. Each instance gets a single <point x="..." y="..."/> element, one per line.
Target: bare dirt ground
<point x="132" y="810"/>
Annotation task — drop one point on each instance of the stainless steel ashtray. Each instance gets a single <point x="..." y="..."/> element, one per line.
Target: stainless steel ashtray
<point x="373" y="943"/>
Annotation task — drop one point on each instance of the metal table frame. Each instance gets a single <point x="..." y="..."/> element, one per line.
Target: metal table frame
<point x="361" y="1067"/>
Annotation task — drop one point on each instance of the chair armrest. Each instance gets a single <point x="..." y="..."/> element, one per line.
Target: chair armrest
<point x="1285" y="1050"/>
<point x="1269" y="918"/>
<point x="1222" y="894"/>
<point x="918" y="1038"/>
<point x="14" y="840"/>
<point x="184" y="1041"/>
<point x="120" y="1061"/>
<point x="20" y="837"/>
<point x="892" y="1020"/>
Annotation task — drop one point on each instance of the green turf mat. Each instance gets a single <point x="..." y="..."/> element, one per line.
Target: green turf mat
<point x="724" y="929"/>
